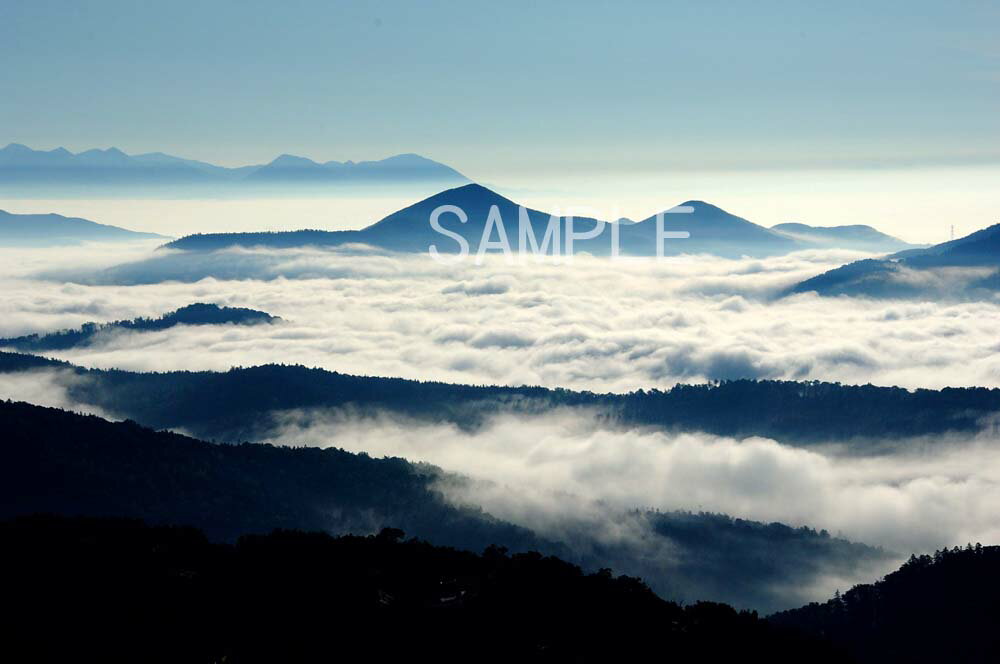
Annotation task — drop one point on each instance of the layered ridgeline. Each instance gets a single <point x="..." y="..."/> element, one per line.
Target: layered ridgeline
<point x="712" y="231"/>
<point x="966" y="268"/>
<point x="23" y="170"/>
<point x="290" y="596"/>
<point x="62" y="463"/>
<point x="90" y="333"/>
<point x="51" y="230"/>
<point x="250" y="403"/>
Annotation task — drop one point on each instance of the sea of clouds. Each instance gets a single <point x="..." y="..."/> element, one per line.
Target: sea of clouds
<point x="554" y="471"/>
<point x="593" y="323"/>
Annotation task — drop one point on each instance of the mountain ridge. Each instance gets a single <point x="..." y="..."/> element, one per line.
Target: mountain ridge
<point x="967" y="268"/>
<point x="53" y="229"/>
<point x="21" y="165"/>
<point x="237" y="404"/>
<point x="198" y="313"/>
<point x="711" y="229"/>
<point x="58" y="462"/>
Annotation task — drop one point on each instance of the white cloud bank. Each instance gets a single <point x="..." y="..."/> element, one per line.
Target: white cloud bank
<point x="593" y="324"/>
<point x="555" y="471"/>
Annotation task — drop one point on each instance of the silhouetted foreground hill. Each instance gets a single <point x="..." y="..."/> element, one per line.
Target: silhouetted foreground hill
<point x="62" y="463"/>
<point x="239" y="404"/>
<point x="941" y="608"/>
<point x="193" y="314"/>
<point x="111" y="591"/>
<point x="966" y="268"/>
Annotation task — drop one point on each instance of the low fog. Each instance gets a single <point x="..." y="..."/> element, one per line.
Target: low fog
<point x="595" y="324"/>
<point x="569" y="475"/>
<point x="562" y="468"/>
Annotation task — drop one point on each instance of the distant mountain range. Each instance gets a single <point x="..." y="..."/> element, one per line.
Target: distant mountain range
<point x="193" y="314"/>
<point x="712" y="231"/>
<point x="23" y="169"/>
<point x="48" y="230"/>
<point x="968" y="267"/>
<point x="861" y="238"/>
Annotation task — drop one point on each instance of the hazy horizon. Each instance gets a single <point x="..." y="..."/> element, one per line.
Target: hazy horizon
<point x="886" y="115"/>
<point x="919" y="205"/>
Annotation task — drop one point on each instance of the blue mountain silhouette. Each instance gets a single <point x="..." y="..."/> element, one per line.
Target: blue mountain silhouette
<point x="21" y="166"/>
<point x="53" y="230"/>
<point x="968" y="267"/>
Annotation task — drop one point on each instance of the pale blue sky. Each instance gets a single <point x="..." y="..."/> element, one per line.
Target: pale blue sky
<point x="513" y="93"/>
<point x="491" y="86"/>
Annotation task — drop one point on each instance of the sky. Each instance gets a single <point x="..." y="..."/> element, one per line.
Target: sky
<point x="629" y="105"/>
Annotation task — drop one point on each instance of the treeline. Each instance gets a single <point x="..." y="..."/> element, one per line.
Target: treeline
<point x="117" y="591"/>
<point x="58" y="462"/>
<point x="767" y="566"/>
<point x="238" y="404"/>
<point x="192" y="314"/>
<point x="940" y="608"/>
<point x="52" y="461"/>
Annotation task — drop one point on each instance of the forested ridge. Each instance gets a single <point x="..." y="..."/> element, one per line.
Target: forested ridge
<point x="237" y="404"/>
<point x="943" y="607"/>
<point x="63" y="463"/>
<point x="198" y="313"/>
<point x="117" y="591"/>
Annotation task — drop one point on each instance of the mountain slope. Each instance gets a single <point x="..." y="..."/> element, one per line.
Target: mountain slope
<point x="61" y="463"/>
<point x="409" y="229"/>
<point x="306" y="597"/>
<point x="713" y="230"/>
<point x="966" y="268"/>
<point x="859" y="237"/>
<point x="193" y="314"/>
<point x="44" y="230"/>
<point x="937" y="608"/>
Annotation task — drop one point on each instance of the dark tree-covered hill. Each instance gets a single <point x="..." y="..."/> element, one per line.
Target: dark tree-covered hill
<point x="63" y="463"/>
<point x="193" y="314"/>
<point x="940" y="608"/>
<point x="58" y="462"/>
<point x="117" y="591"/>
